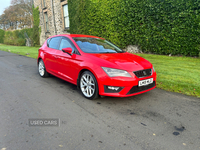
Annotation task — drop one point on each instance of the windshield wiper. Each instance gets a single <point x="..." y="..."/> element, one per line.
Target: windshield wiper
<point x="122" y="52"/>
<point x="106" y="52"/>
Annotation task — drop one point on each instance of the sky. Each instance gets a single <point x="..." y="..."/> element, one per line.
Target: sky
<point x="3" y="5"/>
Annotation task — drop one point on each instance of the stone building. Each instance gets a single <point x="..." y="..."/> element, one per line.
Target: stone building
<point x="54" y="17"/>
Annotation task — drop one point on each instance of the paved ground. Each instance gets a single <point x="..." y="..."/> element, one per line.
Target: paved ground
<point x="154" y="120"/>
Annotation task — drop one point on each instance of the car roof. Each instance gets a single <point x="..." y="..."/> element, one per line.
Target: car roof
<point x="77" y="35"/>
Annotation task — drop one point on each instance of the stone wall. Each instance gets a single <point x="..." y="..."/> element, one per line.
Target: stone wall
<point x="55" y="17"/>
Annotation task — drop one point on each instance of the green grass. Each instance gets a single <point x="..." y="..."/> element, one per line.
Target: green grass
<point x="21" y="50"/>
<point x="175" y="74"/>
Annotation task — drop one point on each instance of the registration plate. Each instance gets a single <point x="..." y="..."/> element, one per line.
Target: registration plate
<point x="145" y="82"/>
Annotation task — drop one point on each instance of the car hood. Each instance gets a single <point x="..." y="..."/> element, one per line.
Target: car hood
<point x="125" y="61"/>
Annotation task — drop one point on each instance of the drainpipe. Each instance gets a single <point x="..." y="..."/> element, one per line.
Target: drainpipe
<point x="53" y="17"/>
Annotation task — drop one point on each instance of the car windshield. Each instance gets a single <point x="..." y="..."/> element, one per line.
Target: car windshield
<point x="95" y="45"/>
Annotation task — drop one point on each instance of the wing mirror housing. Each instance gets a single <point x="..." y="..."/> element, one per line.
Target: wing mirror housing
<point x="67" y="50"/>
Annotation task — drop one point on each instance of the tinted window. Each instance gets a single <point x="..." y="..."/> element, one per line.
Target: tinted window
<point x="64" y="44"/>
<point x="48" y="42"/>
<point x="54" y="42"/>
<point x="95" y="45"/>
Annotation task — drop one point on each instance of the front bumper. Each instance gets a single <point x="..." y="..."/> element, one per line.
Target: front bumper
<point x="127" y="86"/>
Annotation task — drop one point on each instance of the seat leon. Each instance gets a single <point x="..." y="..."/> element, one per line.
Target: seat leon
<point x="96" y="66"/>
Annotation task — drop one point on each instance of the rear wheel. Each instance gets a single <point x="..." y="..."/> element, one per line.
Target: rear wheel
<point x="88" y="85"/>
<point x="42" y="70"/>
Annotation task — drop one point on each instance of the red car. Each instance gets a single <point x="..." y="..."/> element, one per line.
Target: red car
<point x="96" y="66"/>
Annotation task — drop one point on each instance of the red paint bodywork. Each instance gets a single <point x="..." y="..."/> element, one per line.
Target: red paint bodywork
<point x="68" y="67"/>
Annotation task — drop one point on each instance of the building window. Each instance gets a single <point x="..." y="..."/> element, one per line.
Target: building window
<point x="44" y="4"/>
<point x="46" y="21"/>
<point x="66" y="16"/>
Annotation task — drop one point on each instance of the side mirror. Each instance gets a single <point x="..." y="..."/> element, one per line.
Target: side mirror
<point x="67" y="50"/>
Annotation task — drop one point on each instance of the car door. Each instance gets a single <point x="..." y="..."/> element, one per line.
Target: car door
<point x="50" y="55"/>
<point x="68" y="65"/>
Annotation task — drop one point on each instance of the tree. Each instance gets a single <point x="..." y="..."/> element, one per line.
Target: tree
<point x="36" y="29"/>
<point x="17" y="16"/>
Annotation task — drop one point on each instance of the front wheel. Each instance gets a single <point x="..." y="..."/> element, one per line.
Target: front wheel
<point x="88" y="85"/>
<point x="42" y="70"/>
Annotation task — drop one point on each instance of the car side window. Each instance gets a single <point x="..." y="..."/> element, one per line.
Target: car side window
<point x="54" y="42"/>
<point x="48" y="41"/>
<point x="66" y="43"/>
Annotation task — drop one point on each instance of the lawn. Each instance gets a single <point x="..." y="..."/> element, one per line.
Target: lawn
<point x="21" y="50"/>
<point x="176" y="74"/>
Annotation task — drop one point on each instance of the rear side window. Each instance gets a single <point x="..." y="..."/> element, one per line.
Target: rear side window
<point x="48" y="42"/>
<point x="54" y="42"/>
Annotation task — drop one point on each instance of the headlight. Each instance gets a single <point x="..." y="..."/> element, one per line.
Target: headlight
<point x="116" y="72"/>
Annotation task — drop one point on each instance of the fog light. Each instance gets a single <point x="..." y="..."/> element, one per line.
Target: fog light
<point x="112" y="89"/>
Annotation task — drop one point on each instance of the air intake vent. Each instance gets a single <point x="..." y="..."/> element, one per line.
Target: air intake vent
<point x="143" y="73"/>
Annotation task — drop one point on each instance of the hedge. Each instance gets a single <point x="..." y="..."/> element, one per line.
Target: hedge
<point x="36" y="29"/>
<point x="2" y="33"/>
<point x="17" y="37"/>
<point x="157" y="26"/>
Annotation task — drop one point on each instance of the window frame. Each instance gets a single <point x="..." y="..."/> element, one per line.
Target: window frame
<point x="116" y="49"/>
<point x="75" y="51"/>
<point x="49" y="41"/>
<point x="65" y="17"/>
<point x="46" y="21"/>
<point x="44" y="3"/>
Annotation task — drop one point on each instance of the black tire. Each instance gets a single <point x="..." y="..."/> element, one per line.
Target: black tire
<point x="42" y="70"/>
<point x="88" y="85"/>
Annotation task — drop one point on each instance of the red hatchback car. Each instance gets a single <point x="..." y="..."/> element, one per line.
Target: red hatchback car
<point x="96" y="66"/>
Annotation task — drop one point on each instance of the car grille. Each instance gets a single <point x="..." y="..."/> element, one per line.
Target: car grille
<point x="136" y="89"/>
<point x="143" y="73"/>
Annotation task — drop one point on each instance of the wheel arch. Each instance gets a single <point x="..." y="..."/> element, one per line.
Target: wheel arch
<point x="40" y="56"/>
<point x="79" y="75"/>
<point x="38" y="60"/>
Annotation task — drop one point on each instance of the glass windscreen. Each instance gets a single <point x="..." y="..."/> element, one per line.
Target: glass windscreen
<point x="95" y="45"/>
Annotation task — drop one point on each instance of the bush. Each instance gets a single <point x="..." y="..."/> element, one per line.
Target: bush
<point x="17" y="37"/>
<point x="9" y="38"/>
<point x="21" y="42"/>
<point x="35" y="36"/>
<point x="2" y="33"/>
<point x="157" y="26"/>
